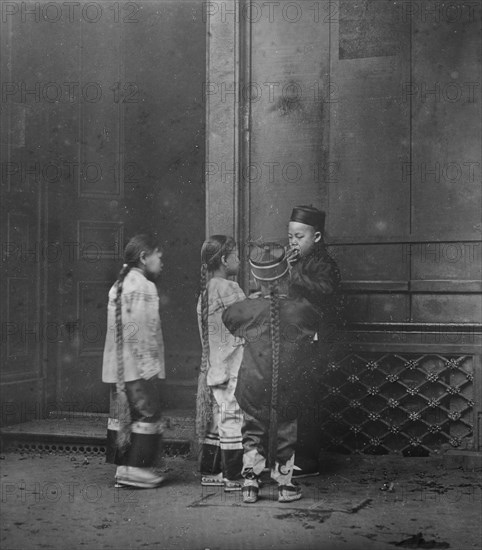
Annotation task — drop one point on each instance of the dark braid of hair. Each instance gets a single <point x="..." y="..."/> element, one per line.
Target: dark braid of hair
<point x="275" y="358"/>
<point x="204" y="409"/>
<point x="212" y="253"/>
<point x="204" y="317"/>
<point x="118" y="327"/>
<point x="123" y="435"/>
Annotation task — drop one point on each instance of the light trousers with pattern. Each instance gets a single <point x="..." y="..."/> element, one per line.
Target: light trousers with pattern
<point x="222" y="447"/>
<point x="225" y="429"/>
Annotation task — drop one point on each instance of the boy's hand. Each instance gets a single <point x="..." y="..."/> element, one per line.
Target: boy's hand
<point x="292" y="255"/>
<point x="254" y="295"/>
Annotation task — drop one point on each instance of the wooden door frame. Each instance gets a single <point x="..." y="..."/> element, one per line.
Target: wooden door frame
<point x="228" y="113"/>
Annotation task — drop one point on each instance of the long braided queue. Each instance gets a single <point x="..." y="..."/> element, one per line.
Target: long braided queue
<point x="275" y="347"/>
<point x="204" y="409"/>
<point x="124" y="433"/>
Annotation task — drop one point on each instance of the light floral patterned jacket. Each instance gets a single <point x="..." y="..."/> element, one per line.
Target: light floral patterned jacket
<point x="143" y="344"/>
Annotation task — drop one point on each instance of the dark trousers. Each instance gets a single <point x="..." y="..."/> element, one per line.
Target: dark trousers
<point x="256" y="440"/>
<point x="309" y="442"/>
<point x="214" y="460"/>
<point x="308" y="446"/>
<point x="145" y="448"/>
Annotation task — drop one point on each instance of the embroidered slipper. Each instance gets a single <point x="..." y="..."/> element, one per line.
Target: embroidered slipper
<point x="289" y="493"/>
<point x="230" y="486"/>
<point x="250" y="491"/>
<point x="213" y="480"/>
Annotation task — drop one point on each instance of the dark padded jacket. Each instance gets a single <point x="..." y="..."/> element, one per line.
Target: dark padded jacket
<point x="298" y="324"/>
<point x="316" y="277"/>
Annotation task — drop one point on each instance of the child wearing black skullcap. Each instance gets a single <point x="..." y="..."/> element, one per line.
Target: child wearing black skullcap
<point x="314" y="275"/>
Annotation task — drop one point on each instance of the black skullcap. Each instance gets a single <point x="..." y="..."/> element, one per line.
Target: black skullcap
<point x="268" y="261"/>
<point x="309" y="215"/>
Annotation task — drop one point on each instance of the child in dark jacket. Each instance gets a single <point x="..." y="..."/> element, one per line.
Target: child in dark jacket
<point x="314" y="275"/>
<point x="277" y="363"/>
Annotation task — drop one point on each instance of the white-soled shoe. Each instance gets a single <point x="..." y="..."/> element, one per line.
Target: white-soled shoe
<point x="289" y="493"/>
<point x="212" y="480"/>
<point x="250" y="490"/>
<point x="231" y="486"/>
<point x="133" y="476"/>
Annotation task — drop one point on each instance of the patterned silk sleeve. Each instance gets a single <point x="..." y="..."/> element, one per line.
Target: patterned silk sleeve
<point x="231" y="294"/>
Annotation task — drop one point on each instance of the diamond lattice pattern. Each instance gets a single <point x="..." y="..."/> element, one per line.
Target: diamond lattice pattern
<point x="391" y="403"/>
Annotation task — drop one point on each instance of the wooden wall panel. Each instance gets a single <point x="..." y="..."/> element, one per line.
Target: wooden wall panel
<point x="447" y="308"/>
<point x="221" y="97"/>
<point x="384" y="308"/>
<point x="456" y="261"/>
<point x="100" y="239"/>
<point x="372" y="262"/>
<point x="99" y="65"/>
<point x="445" y="95"/>
<point x="289" y="117"/>
<point x="92" y="316"/>
<point x="369" y="125"/>
<point x="21" y="333"/>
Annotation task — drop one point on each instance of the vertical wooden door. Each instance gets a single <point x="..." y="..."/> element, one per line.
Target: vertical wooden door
<point x="102" y="138"/>
<point x="139" y="154"/>
<point x="24" y="203"/>
<point x="89" y="205"/>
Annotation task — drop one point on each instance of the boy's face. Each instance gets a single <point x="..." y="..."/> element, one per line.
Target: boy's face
<point x="302" y="237"/>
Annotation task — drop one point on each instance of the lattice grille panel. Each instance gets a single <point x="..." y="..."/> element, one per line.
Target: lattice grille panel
<point x="385" y="403"/>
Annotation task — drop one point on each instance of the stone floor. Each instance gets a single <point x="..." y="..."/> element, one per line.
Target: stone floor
<point x="68" y="500"/>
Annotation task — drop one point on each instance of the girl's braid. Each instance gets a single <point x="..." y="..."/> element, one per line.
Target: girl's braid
<point x="204" y="413"/>
<point x="123" y="435"/>
<point x="275" y="351"/>
<point x="204" y="317"/>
